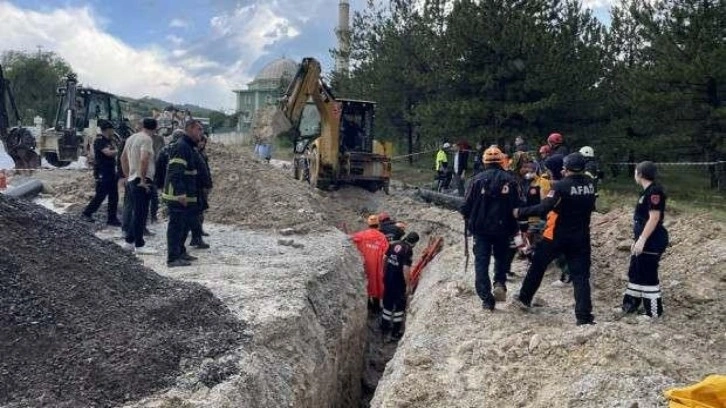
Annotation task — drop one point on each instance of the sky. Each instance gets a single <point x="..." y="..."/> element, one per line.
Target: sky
<point x="182" y="51"/>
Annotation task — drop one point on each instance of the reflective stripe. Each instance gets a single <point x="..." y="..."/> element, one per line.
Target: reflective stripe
<point x="169" y="197"/>
<point x="177" y="160"/>
<point x="397" y="319"/>
<point x="644" y="288"/>
<point x="398" y="314"/>
<point x="190" y="172"/>
<point x="638" y="294"/>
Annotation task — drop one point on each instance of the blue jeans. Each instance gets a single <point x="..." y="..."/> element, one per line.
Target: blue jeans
<point x="484" y="247"/>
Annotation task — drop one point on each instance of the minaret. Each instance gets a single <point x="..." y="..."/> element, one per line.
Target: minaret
<point x="342" y="59"/>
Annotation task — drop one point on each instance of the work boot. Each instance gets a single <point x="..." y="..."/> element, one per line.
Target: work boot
<point x="517" y="302"/>
<point x="113" y="222"/>
<point x="488" y="304"/>
<point x="199" y="244"/>
<point x="500" y="292"/>
<point x="205" y="234"/>
<point x="585" y="322"/>
<point x="185" y="256"/>
<point x="148" y="233"/>
<point x="87" y="218"/>
<point x="178" y="262"/>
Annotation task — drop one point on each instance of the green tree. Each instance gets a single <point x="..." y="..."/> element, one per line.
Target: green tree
<point x="34" y="78"/>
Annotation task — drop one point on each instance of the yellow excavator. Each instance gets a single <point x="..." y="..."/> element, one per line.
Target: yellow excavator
<point x="333" y="137"/>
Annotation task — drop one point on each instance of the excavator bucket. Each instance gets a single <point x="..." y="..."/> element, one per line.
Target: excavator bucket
<point x="280" y="123"/>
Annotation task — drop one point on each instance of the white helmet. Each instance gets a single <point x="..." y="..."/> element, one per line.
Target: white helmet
<point x="587" y="151"/>
<point x="446" y="145"/>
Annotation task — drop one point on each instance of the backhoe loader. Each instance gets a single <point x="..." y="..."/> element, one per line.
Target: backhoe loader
<point x="333" y="137"/>
<point x="79" y="110"/>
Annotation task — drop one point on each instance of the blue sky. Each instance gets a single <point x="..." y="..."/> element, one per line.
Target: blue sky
<point x="193" y="51"/>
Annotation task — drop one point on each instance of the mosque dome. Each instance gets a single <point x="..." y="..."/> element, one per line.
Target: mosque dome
<point x="276" y="70"/>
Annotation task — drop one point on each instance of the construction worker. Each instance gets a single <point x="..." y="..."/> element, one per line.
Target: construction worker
<point x="441" y="165"/>
<point x="372" y="244"/>
<point x="461" y="165"/>
<point x="651" y="240"/>
<point x="104" y="171"/>
<point x="557" y="144"/>
<point x="390" y="228"/>
<point x="181" y="193"/>
<point x="396" y="284"/>
<point x="568" y="206"/>
<point x="487" y="211"/>
<point x="137" y="160"/>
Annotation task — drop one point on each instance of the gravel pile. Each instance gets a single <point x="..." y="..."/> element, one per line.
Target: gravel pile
<point x="84" y="324"/>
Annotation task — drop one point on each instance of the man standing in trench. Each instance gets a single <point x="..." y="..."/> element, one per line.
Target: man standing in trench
<point x="397" y="284"/>
<point x="568" y="206"/>
<point x="373" y="245"/>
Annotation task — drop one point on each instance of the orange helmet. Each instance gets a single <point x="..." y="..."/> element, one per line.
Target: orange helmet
<point x="493" y="155"/>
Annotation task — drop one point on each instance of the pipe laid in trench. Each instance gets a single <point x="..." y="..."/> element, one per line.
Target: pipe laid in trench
<point x="452" y="202"/>
<point x="27" y="190"/>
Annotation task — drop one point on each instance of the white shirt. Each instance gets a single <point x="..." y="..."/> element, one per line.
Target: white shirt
<point x="135" y="144"/>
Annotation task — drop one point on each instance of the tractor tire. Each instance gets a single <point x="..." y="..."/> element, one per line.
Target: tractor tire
<point x="52" y="159"/>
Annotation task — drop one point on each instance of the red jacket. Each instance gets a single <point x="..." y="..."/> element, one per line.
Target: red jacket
<point x="373" y="245"/>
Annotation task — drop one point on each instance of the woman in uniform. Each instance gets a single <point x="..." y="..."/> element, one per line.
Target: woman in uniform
<point x="651" y="240"/>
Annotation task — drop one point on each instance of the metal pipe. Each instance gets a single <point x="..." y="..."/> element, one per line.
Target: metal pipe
<point x="27" y="190"/>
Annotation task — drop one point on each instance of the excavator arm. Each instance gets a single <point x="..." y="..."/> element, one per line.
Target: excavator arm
<point x="19" y="143"/>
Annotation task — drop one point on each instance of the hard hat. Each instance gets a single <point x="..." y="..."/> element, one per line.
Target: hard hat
<point x="546" y="149"/>
<point x="383" y="216"/>
<point x="493" y="155"/>
<point x="574" y="162"/>
<point x="446" y="145"/>
<point x="587" y="151"/>
<point x="402" y="225"/>
<point x="373" y="221"/>
<point x="555" y="139"/>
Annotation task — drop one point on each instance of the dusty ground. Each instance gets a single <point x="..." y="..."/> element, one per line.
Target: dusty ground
<point x="454" y="354"/>
<point x="84" y="324"/>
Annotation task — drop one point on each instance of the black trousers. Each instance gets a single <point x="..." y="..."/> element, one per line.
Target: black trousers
<point x="139" y="213"/>
<point x="643" y="285"/>
<point x="577" y="256"/>
<point x="180" y="221"/>
<point x="105" y="187"/>
<point x="196" y="226"/>
<point x="394" y="302"/>
<point x="484" y="247"/>
<point x="153" y="202"/>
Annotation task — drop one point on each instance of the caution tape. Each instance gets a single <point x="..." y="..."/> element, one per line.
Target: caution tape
<point x="714" y="163"/>
<point x="404" y="156"/>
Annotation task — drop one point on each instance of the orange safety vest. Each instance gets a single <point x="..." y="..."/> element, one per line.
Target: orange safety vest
<point x="372" y="244"/>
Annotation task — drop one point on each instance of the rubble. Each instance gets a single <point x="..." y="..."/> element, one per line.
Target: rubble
<point x="85" y="324"/>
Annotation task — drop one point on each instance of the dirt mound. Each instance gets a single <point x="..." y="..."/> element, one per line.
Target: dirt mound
<point x="454" y="354"/>
<point x="85" y="324"/>
<point x="253" y="194"/>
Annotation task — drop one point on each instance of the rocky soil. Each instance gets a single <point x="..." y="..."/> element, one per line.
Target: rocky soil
<point x="85" y="324"/>
<point x="455" y="354"/>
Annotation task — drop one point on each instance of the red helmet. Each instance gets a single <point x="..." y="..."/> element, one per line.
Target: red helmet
<point x="555" y="139"/>
<point x="383" y="216"/>
<point x="546" y="149"/>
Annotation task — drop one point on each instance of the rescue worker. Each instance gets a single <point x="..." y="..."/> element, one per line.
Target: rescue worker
<point x="557" y="144"/>
<point x="181" y="193"/>
<point x="487" y="211"/>
<point x="204" y="179"/>
<point x="651" y="240"/>
<point x="568" y="206"/>
<point x="441" y="165"/>
<point x="390" y="228"/>
<point x="372" y="244"/>
<point x="154" y="192"/>
<point x="104" y="171"/>
<point x="162" y="160"/>
<point x="396" y="284"/>
<point x="592" y="168"/>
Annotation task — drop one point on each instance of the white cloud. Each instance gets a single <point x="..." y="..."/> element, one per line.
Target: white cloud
<point x="594" y="4"/>
<point x="105" y="62"/>
<point x="178" y="23"/>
